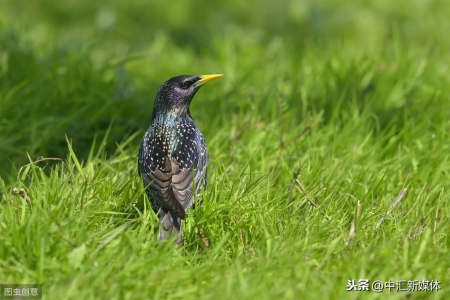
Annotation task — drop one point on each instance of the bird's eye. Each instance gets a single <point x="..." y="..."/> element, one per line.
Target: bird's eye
<point x="184" y="85"/>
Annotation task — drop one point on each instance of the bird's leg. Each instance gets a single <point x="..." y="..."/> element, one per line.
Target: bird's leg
<point x="165" y="225"/>
<point x="170" y="225"/>
<point x="179" y="239"/>
<point x="177" y="229"/>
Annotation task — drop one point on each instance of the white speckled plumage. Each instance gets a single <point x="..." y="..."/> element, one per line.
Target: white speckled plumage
<point x="173" y="155"/>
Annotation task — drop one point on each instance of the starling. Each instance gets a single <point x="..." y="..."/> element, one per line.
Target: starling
<point x="173" y="155"/>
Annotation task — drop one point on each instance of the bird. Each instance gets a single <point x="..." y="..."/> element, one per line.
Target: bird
<point x="173" y="155"/>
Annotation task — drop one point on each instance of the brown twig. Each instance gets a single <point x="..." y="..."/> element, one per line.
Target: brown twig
<point x="435" y="218"/>
<point x="203" y="238"/>
<point x="310" y="200"/>
<point x="352" y="232"/>
<point x="48" y="158"/>
<point x="312" y="203"/>
<point x="22" y="193"/>
<point x="291" y="196"/>
<point x="396" y="202"/>
<point x="41" y="159"/>
<point x="300" y="185"/>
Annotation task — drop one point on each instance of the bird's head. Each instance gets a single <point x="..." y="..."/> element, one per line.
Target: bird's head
<point x="175" y="95"/>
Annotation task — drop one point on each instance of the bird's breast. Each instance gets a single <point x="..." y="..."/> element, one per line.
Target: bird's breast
<point x="182" y="141"/>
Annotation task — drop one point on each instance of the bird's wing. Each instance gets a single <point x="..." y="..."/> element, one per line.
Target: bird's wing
<point x="186" y="181"/>
<point x="159" y="187"/>
<point x="190" y="158"/>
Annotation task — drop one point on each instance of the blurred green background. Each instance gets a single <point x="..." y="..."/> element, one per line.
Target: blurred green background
<point x="76" y="67"/>
<point x="348" y="97"/>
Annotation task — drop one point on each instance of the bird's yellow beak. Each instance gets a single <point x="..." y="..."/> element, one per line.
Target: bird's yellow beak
<point x="206" y="78"/>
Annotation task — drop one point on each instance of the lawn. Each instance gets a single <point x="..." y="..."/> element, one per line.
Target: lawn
<point x="329" y="141"/>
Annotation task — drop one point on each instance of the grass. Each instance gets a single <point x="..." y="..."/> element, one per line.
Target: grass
<point x="323" y="106"/>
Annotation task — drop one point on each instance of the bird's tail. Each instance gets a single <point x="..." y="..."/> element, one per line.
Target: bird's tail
<point x="170" y="226"/>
